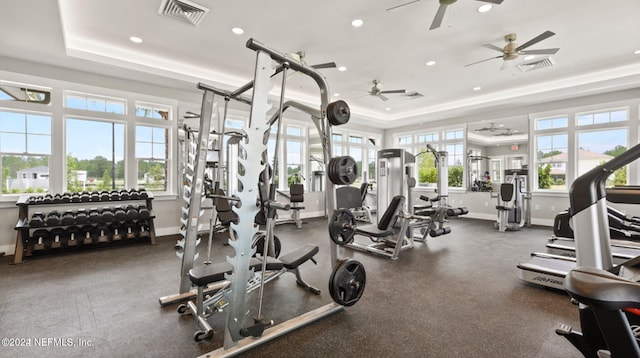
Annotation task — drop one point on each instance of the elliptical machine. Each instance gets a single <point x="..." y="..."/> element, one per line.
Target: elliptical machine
<point x="609" y="296"/>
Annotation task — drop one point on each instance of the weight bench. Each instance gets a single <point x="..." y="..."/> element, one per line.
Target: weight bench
<point x="212" y="279"/>
<point x="389" y="237"/>
<point x="296" y="196"/>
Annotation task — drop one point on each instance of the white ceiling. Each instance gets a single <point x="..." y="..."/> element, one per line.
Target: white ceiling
<point x="597" y="40"/>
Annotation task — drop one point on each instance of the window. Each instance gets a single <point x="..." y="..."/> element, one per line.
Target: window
<point x="404" y="140"/>
<point x="152" y="152"/>
<point x="95" y="103"/>
<point x="294" y="160"/>
<point x="356" y="154"/>
<point x="22" y="93"/>
<point x="585" y="119"/>
<point x="355" y="139"/>
<point x="551" y="158"/>
<point x="455" y="134"/>
<point x="455" y="160"/>
<point x="551" y="123"/>
<point x="598" y="147"/>
<point x="94" y="162"/>
<point x="25" y="147"/>
<point x="151" y="111"/>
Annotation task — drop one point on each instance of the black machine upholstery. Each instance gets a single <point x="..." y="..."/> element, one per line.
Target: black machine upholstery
<point x="296" y="192"/>
<point x="506" y="194"/>
<point x="348" y="197"/>
<point x="384" y="227"/>
<point x="225" y="214"/>
<point x="602" y="289"/>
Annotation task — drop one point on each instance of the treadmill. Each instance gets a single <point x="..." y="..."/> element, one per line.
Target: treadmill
<point x="593" y="247"/>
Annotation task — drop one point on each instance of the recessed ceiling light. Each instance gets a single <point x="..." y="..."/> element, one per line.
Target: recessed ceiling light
<point x="637" y="52"/>
<point x="388" y="109"/>
<point x="431" y="63"/>
<point x="530" y="57"/>
<point x="135" y="39"/>
<point x="485" y="8"/>
<point x="336" y="94"/>
<point x="342" y="68"/>
<point x="357" y="23"/>
<point x="237" y="31"/>
<point x="477" y="88"/>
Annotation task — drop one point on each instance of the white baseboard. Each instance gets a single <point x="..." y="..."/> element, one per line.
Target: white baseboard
<point x="490" y="217"/>
<point x="8" y="249"/>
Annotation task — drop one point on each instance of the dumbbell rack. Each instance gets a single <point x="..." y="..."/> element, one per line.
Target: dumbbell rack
<point x="27" y="246"/>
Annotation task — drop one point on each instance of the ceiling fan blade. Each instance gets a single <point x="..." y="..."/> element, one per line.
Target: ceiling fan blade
<point x="497" y="2"/>
<point x="546" y="51"/>
<point x="324" y="65"/>
<point x="394" y="91"/>
<point x="493" y="47"/>
<point x="543" y="36"/>
<point x="401" y="5"/>
<point x="492" y="58"/>
<point x="437" y="20"/>
<point x="382" y="97"/>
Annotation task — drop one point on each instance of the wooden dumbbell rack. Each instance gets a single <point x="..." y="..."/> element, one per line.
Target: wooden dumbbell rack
<point x="27" y="246"/>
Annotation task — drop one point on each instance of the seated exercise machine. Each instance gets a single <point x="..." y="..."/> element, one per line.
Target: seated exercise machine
<point x="513" y="201"/>
<point x="245" y="328"/>
<point x="296" y="197"/>
<point x="608" y="294"/>
<point x="354" y="199"/>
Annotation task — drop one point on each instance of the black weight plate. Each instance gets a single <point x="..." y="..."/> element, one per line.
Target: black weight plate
<point x="338" y="113"/>
<point x="342" y="226"/>
<point x="258" y="243"/>
<point x="347" y="282"/>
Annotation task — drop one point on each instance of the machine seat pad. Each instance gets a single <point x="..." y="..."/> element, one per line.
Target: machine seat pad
<point x="372" y="230"/>
<point x="602" y="289"/>
<point x="295" y="258"/>
<point x="273" y="264"/>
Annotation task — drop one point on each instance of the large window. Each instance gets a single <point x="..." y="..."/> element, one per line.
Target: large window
<point x="25" y="148"/>
<point x="94" y="162"/>
<point x="552" y="152"/>
<point x="152" y="151"/>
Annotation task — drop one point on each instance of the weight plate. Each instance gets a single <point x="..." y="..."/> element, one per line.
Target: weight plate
<point x="338" y="113"/>
<point x="258" y="243"/>
<point x="342" y="170"/>
<point x="347" y="282"/>
<point x="342" y="226"/>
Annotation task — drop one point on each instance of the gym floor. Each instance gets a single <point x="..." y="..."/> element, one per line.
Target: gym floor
<point x="457" y="295"/>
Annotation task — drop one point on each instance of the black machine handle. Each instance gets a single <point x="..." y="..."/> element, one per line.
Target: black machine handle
<point x="587" y="189"/>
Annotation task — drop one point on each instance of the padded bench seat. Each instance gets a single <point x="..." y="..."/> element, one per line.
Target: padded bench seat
<point x="206" y="274"/>
<point x="373" y="231"/>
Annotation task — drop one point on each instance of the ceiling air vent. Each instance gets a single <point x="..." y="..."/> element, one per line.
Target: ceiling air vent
<point x="536" y="64"/>
<point x="183" y="10"/>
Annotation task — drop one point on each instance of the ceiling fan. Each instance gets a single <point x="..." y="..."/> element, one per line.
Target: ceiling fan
<point x="437" y="20"/>
<point x="492" y="127"/>
<point x="300" y="57"/>
<point x="511" y="50"/>
<point x="377" y="91"/>
<point x="507" y="133"/>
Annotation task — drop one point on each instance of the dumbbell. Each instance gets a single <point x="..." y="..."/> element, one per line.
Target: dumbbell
<point x="85" y="197"/>
<point x="37" y="219"/>
<point x="53" y="218"/>
<point x="143" y="194"/>
<point x="104" y="195"/>
<point x="73" y="236"/>
<point x="81" y="217"/>
<point x="75" y="198"/>
<point x="57" y="237"/>
<point x="65" y="198"/>
<point x="95" y="196"/>
<point x="42" y="238"/>
<point x="118" y="232"/>
<point x="119" y="213"/>
<point x="457" y="211"/>
<point x="107" y="215"/>
<point x="104" y="233"/>
<point x="94" y="216"/>
<point x="68" y="218"/>
<point x="134" y="194"/>
<point x="132" y="229"/>
<point x="114" y="196"/>
<point x="143" y="212"/>
<point x="124" y="194"/>
<point x="132" y="213"/>
<point x="439" y="232"/>
<point x="56" y="199"/>
<point x="88" y="234"/>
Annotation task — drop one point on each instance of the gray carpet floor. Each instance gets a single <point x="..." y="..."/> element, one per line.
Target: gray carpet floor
<point x="454" y="296"/>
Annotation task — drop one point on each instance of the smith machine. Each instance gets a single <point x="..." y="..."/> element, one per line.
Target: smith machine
<point x="233" y="278"/>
